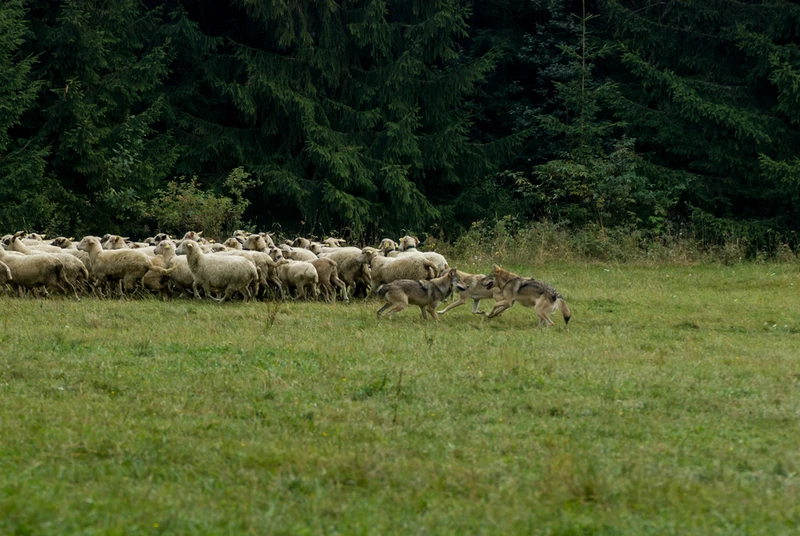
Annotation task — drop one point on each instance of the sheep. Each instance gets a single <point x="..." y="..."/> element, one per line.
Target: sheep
<point x="127" y="266"/>
<point x="232" y="243"/>
<point x="68" y="247"/>
<point x="256" y="242"/>
<point x="75" y="272"/>
<point x="334" y="242"/>
<point x="387" y="247"/>
<point x="5" y="274"/>
<point x="299" y="274"/>
<point x="297" y="254"/>
<point x="34" y="271"/>
<point x="114" y="242"/>
<point x="408" y="246"/>
<point x="328" y="274"/>
<point x="352" y="266"/>
<point x="265" y="264"/>
<point x="388" y="269"/>
<point x="157" y="280"/>
<point x="302" y="243"/>
<point x="181" y="278"/>
<point x="212" y="247"/>
<point x="62" y="242"/>
<point x="229" y="272"/>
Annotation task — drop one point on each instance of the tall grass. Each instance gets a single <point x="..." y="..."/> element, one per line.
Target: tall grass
<point x="511" y="242"/>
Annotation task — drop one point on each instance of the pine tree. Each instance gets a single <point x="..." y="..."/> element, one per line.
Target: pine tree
<point x="350" y="114"/>
<point x="710" y="93"/>
<point x="102" y="67"/>
<point x="595" y="175"/>
<point x="24" y="190"/>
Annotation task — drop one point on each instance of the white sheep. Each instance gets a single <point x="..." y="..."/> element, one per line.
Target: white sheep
<point x="75" y="272"/>
<point x="265" y="264"/>
<point x="388" y="269"/>
<point x="232" y="243"/>
<point x="127" y="266"/>
<point x="301" y="275"/>
<point x="328" y="274"/>
<point x="230" y="273"/>
<point x="181" y="277"/>
<point x="34" y="271"/>
<point x="352" y="266"/>
<point x="408" y="246"/>
<point x="297" y="254"/>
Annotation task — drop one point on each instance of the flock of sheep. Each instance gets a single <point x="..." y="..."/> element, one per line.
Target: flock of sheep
<point x="246" y="265"/>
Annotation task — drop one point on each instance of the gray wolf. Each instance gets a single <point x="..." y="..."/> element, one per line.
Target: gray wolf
<point x="475" y="290"/>
<point x="528" y="292"/>
<point x="426" y="294"/>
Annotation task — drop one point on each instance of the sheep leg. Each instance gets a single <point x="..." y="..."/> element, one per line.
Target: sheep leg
<point x="194" y="289"/>
<point x="228" y="295"/>
<point x="74" y="290"/>
<point x="342" y="287"/>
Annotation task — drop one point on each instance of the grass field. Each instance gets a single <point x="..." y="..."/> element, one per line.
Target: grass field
<point x="670" y="406"/>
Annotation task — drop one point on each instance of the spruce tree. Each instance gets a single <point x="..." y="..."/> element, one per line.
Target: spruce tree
<point x="102" y="68"/>
<point x="23" y="188"/>
<point x="350" y="114"/>
<point x="709" y="90"/>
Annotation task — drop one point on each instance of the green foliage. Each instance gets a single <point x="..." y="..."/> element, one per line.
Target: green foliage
<point x="102" y="72"/>
<point x="709" y="91"/>
<point x="183" y="206"/>
<point x="378" y="117"/>
<point x="29" y="199"/>
<point x="598" y="177"/>
<point x="352" y="117"/>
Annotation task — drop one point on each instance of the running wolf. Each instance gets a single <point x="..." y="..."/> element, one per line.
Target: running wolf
<point x="425" y="294"/>
<point x="475" y="290"/>
<point x="528" y="292"/>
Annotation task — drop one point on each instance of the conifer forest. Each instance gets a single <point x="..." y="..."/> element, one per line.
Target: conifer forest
<point x="377" y="116"/>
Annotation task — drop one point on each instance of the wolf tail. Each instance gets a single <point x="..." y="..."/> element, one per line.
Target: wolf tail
<point x="562" y="304"/>
<point x="381" y="290"/>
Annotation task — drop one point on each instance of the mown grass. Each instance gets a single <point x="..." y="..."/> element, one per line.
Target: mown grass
<point x="670" y="406"/>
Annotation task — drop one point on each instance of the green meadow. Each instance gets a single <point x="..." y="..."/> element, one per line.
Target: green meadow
<point x="669" y="406"/>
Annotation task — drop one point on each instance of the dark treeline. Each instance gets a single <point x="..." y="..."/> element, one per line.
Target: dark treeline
<point x="373" y="117"/>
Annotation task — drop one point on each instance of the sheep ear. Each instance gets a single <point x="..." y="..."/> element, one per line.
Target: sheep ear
<point x="200" y="233"/>
<point x="71" y="238"/>
<point x="416" y="240"/>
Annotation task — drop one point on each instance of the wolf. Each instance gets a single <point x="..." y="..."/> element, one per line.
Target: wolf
<point x="425" y="294"/>
<point x="475" y="290"/>
<point x="527" y="291"/>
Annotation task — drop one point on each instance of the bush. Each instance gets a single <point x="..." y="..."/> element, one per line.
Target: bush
<point x="185" y="206"/>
